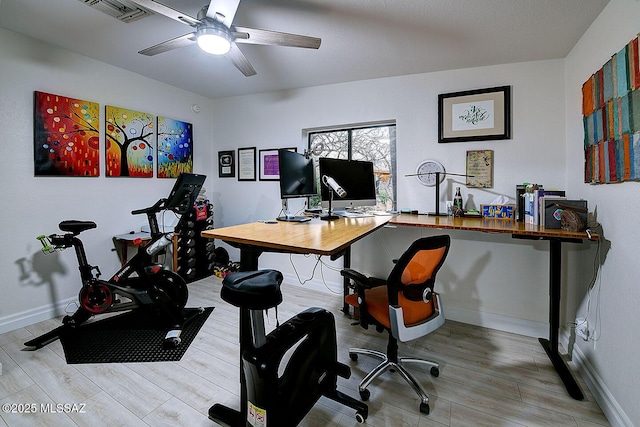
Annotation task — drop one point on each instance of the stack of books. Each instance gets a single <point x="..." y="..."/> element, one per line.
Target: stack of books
<point x="544" y="207"/>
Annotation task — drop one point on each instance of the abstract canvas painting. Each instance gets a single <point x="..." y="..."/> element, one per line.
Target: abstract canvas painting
<point x="175" y="147"/>
<point x="611" y="117"/>
<point x="128" y="140"/>
<point x="66" y="136"/>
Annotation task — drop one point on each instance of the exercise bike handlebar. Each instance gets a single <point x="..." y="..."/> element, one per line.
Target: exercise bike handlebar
<point x="157" y="207"/>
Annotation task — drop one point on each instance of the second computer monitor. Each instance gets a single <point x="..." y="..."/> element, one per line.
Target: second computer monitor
<point x="297" y="175"/>
<point x="354" y="176"/>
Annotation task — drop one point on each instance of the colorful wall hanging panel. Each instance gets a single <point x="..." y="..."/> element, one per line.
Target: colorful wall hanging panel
<point x="66" y="136"/>
<point x="175" y="147"/>
<point x="128" y="139"/>
<point x="611" y="118"/>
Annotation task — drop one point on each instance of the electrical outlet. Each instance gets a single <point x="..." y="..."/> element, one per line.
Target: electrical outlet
<point x="582" y="328"/>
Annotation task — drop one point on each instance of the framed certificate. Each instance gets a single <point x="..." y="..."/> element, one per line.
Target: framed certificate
<point x="247" y="164"/>
<point x="480" y="169"/>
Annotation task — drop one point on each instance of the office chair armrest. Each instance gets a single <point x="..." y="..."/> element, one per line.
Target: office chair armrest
<point x="358" y="278"/>
<point x="361" y="280"/>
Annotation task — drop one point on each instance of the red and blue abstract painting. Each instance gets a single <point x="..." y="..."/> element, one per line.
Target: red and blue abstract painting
<point x="175" y="147"/>
<point x="66" y="136"/>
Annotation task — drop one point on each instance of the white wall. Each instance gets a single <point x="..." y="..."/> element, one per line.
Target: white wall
<point x="485" y="276"/>
<point x="32" y="284"/>
<point x="611" y="362"/>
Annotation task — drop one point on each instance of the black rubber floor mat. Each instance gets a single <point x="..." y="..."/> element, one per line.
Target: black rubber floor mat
<point x="135" y="336"/>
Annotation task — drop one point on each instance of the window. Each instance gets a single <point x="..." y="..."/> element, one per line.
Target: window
<point x="374" y="143"/>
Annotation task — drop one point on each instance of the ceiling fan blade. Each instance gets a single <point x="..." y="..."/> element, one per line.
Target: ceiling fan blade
<point x="167" y="11"/>
<point x="223" y="10"/>
<point x="268" y="37"/>
<point x="241" y="62"/>
<point x="181" y="41"/>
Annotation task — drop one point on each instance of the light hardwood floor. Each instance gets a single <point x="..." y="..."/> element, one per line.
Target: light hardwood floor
<point x="487" y="377"/>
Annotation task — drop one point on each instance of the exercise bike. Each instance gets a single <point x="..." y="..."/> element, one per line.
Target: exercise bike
<point x="141" y="284"/>
<point x="305" y="346"/>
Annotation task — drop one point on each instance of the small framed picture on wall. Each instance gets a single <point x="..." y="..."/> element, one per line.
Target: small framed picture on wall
<point x="247" y="164"/>
<point x="269" y="170"/>
<point x="226" y="164"/>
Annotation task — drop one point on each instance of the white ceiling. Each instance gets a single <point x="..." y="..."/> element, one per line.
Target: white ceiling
<point x="361" y="39"/>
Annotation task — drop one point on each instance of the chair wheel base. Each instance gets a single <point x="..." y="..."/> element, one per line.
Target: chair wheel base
<point x="424" y="408"/>
<point x="435" y="371"/>
<point x="365" y="395"/>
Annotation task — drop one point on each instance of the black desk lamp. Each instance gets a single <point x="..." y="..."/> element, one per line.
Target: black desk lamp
<point x="333" y="186"/>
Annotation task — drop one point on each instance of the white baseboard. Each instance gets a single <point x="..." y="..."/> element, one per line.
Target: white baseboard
<point x="497" y="321"/>
<point x="612" y="410"/>
<point x="29" y="317"/>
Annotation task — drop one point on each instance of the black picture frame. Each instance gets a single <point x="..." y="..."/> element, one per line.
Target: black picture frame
<point x="247" y="164"/>
<point x="475" y="115"/>
<point x="226" y="164"/>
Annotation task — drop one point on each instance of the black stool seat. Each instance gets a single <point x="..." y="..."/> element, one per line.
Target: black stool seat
<point x="76" y="227"/>
<point x="254" y="290"/>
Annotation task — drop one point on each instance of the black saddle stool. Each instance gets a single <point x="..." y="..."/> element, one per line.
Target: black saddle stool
<point x="310" y="371"/>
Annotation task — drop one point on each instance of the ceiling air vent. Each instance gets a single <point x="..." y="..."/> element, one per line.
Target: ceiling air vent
<point x="119" y="9"/>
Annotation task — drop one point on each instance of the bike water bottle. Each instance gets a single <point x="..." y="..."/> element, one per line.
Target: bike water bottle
<point x="159" y="244"/>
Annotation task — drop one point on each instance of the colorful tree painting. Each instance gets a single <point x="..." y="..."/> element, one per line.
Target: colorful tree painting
<point x="175" y="147"/>
<point x="128" y="134"/>
<point x="66" y="136"/>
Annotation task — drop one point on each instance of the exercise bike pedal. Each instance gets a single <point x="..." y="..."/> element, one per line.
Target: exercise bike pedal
<point x="226" y="416"/>
<point x="343" y="370"/>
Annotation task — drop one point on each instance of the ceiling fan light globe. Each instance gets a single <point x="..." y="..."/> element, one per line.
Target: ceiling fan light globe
<point x="215" y="41"/>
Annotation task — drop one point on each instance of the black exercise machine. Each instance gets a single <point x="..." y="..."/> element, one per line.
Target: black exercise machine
<point x="311" y="371"/>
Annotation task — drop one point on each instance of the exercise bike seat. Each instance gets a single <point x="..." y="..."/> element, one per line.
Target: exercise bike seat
<point x="75" y="226"/>
<point x="253" y="290"/>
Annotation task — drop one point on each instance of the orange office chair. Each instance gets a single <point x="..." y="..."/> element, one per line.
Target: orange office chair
<point x="405" y="305"/>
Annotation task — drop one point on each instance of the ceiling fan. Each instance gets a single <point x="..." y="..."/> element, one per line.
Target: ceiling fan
<point x="215" y="33"/>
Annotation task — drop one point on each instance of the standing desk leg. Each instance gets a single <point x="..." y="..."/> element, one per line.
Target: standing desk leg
<point x="551" y="345"/>
<point x="345" y="281"/>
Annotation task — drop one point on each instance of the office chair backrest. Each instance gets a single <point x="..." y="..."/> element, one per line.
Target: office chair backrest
<point x="413" y="276"/>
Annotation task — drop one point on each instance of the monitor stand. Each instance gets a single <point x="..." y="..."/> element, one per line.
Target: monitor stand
<point x="286" y="215"/>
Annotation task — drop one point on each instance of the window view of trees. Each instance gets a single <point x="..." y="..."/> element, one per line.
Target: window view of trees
<point x="376" y="144"/>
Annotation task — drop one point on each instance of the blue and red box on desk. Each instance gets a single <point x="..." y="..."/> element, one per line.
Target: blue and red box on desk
<point x="507" y="212"/>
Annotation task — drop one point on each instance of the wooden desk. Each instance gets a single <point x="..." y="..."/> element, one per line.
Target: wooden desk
<point x="522" y="231"/>
<point x="331" y="238"/>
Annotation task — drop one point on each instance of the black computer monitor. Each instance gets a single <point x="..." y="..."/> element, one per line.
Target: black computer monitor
<point x="184" y="192"/>
<point x="354" y="176"/>
<point x="297" y="179"/>
<point x="297" y="175"/>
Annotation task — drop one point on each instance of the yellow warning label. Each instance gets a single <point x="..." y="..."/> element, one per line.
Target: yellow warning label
<point x="257" y="417"/>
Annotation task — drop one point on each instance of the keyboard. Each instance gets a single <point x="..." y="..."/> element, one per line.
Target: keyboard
<point x="294" y="218"/>
<point x="353" y="214"/>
